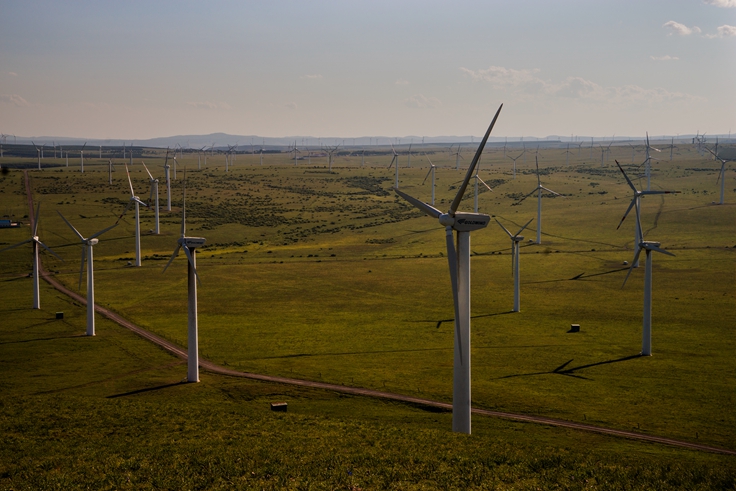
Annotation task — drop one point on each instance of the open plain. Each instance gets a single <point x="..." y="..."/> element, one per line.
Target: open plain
<point x="328" y="276"/>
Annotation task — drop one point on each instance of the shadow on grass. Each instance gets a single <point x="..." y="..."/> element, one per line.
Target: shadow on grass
<point x="570" y="372"/>
<point x="45" y="339"/>
<point x="342" y="353"/>
<point x="479" y="316"/>
<point x="581" y="276"/>
<point x="149" y="389"/>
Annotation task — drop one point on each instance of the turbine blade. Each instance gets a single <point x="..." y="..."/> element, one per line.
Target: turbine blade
<point x="549" y="190"/>
<point x="52" y="252"/>
<point x="631" y="184"/>
<point x="452" y="263"/>
<point x="149" y="172"/>
<point x="504" y="228"/>
<point x="130" y="183"/>
<point x="81" y="267"/>
<point x="460" y="192"/>
<point x="539" y="181"/>
<point x="655" y="248"/>
<point x="35" y="219"/>
<point x="525" y="226"/>
<point x="483" y="182"/>
<point x="103" y="231"/>
<point x="633" y="262"/>
<point x="70" y="226"/>
<point x="176" y="251"/>
<point x="631" y="205"/>
<point x="425" y="177"/>
<point x="429" y="210"/>
<point x="191" y="262"/>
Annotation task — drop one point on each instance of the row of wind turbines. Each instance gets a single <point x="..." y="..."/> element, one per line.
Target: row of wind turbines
<point x="458" y="227"/>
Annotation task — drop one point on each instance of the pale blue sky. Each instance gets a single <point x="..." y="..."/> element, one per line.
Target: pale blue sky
<point x="143" y="69"/>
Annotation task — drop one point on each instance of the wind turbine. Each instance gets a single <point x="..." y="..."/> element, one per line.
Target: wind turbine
<point x="110" y="168"/>
<point x="636" y="203"/>
<point x="648" y="162"/>
<point x="331" y="156"/>
<point x="432" y="168"/>
<point x="35" y="242"/>
<point x="539" y="190"/>
<point x="88" y="243"/>
<point x="38" y="153"/>
<point x="395" y="159"/>
<point x="167" y="176"/>
<point x="646" y="335"/>
<point x="137" y="201"/>
<point x="672" y="147"/>
<point x="189" y="244"/>
<point x="567" y="155"/>
<point x="459" y="263"/>
<point x="633" y="151"/>
<point x="408" y="162"/>
<point x="458" y="157"/>
<point x="154" y="191"/>
<point x="515" y="243"/>
<point x="81" y="157"/>
<point x="722" y="174"/>
<point x="515" y="159"/>
<point x="296" y="153"/>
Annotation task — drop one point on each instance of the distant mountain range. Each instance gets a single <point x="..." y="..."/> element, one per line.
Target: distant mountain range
<point x="248" y="142"/>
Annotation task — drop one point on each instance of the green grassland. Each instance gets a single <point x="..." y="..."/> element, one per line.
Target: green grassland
<point x="328" y="276"/>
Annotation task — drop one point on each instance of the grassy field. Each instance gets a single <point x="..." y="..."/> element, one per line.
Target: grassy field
<point x="327" y="276"/>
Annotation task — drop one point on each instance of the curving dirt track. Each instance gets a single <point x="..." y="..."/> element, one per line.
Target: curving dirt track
<point x="212" y="367"/>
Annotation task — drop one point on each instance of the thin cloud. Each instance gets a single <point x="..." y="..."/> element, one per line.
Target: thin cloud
<point x="401" y="81"/>
<point x="664" y="58"/>
<point x="680" y="29"/>
<point x="209" y="105"/>
<point x="12" y="74"/>
<point x="13" y="99"/>
<point x="312" y="77"/>
<point x="526" y="85"/>
<point x="726" y="31"/>
<point x="420" y="101"/>
<point x="721" y="3"/>
<point x="291" y="105"/>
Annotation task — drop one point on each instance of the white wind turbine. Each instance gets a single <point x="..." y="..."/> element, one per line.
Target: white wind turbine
<point x="38" y="153"/>
<point x="395" y="160"/>
<point x="167" y="176"/>
<point x="458" y="156"/>
<point x="110" y="168"/>
<point x="432" y="168"/>
<point x="636" y="203"/>
<point x="408" y="162"/>
<point x="459" y="263"/>
<point x="81" y="157"/>
<point x="154" y="191"/>
<point x="646" y="335"/>
<point x="515" y="249"/>
<point x="539" y="190"/>
<point x="514" y="160"/>
<point x="137" y="202"/>
<point x="88" y="243"/>
<point x="189" y="244"/>
<point x="722" y="174"/>
<point x="331" y="156"/>
<point x="648" y="162"/>
<point x="35" y="242"/>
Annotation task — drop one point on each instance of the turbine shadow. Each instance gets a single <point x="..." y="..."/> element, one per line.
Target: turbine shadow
<point x="44" y="339"/>
<point x="452" y="319"/>
<point x="570" y="372"/>
<point x="149" y="389"/>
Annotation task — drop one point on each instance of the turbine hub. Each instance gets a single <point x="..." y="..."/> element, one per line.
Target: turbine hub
<point x="447" y="220"/>
<point x="92" y="241"/>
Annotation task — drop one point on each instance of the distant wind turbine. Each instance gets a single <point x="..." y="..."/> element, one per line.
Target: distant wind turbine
<point x="515" y="250"/>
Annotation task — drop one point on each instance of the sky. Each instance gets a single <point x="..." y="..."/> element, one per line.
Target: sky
<point x="142" y="69"/>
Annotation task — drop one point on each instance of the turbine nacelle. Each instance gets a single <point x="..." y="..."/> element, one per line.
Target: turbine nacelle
<point x="192" y="242"/>
<point x="469" y="222"/>
<point x="92" y="242"/>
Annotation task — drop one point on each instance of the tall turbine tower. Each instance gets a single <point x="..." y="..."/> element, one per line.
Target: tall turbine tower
<point x="154" y="191"/>
<point x="35" y="242"/>
<point x="81" y="158"/>
<point x="646" y="334"/>
<point x="459" y="263"/>
<point x="515" y="250"/>
<point x="189" y="244"/>
<point x="648" y="162"/>
<point x="135" y="200"/>
<point x="395" y="160"/>
<point x="167" y="176"/>
<point x="722" y="174"/>
<point x="515" y="159"/>
<point x="88" y="243"/>
<point x="432" y="168"/>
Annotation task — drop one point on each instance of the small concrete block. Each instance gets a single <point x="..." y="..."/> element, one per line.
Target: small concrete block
<point x="574" y="328"/>
<point x="60" y="315"/>
<point x="279" y="406"/>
